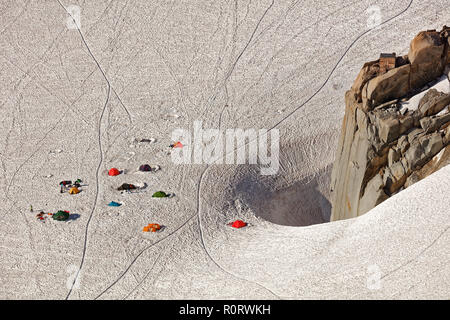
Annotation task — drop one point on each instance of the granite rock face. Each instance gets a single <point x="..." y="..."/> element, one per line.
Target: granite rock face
<point x="384" y="146"/>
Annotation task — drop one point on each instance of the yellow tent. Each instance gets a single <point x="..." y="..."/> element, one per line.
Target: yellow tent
<point x="74" y="190"/>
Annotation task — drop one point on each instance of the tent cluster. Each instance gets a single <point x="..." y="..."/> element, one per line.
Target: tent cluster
<point x="70" y="187"/>
<point x="74" y="188"/>
<point x="61" y="215"/>
<point x="153" y="227"/>
<point x="131" y="187"/>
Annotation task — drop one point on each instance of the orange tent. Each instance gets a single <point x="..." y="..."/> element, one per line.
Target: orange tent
<point x="152" y="227"/>
<point x="74" y="190"/>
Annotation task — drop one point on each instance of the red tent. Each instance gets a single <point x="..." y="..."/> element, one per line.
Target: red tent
<point x="238" y="224"/>
<point x="114" y="172"/>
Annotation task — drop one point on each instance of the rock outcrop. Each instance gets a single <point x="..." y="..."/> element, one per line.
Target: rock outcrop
<point x="396" y="128"/>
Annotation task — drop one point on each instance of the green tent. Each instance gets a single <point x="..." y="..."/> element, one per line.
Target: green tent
<point x="61" y="215"/>
<point x="159" y="194"/>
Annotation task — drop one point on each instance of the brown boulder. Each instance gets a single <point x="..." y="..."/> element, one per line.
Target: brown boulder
<point x="393" y="156"/>
<point x="439" y="161"/>
<point x="414" y="155"/>
<point x="426" y="47"/>
<point x="433" y="102"/>
<point x="435" y="122"/>
<point x="426" y="56"/>
<point x="368" y="71"/>
<point x="432" y="144"/>
<point x="403" y="143"/>
<point x="395" y="177"/>
<point x="391" y="85"/>
<point x="389" y="129"/>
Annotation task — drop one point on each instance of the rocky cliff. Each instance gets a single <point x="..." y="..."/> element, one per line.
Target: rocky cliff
<point x="396" y="128"/>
